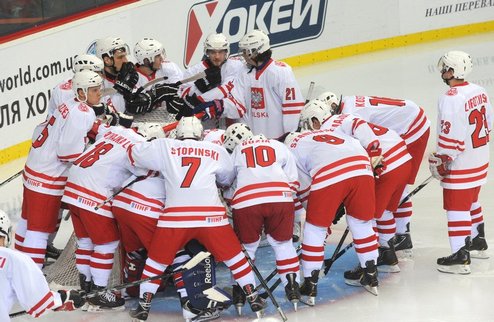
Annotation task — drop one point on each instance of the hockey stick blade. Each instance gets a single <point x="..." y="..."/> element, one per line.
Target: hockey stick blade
<point x="309" y="92"/>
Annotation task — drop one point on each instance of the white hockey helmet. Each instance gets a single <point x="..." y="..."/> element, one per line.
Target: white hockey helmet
<point x="151" y="130"/>
<point x="254" y="43"/>
<point x="234" y="134"/>
<point x="84" y="80"/>
<point x="330" y="98"/>
<point x="216" y="42"/>
<point x="5" y="227"/>
<point x="148" y="48"/>
<point x="290" y="137"/>
<point x="189" y="128"/>
<point x="314" y="109"/>
<point x="108" y="46"/>
<point x="89" y="62"/>
<point x="459" y="61"/>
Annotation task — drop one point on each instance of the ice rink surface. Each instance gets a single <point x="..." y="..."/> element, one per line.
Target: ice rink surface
<point x="419" y="292"/>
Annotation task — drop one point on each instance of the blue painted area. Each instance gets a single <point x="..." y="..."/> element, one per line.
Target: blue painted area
<point x="331" y="288"/>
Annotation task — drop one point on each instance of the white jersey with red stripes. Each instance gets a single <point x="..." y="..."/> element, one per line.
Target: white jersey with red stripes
<point x="216" y="136"/>
<point x="61" y="93"/>
<point x="464" y="122"/>
<point x="394" y="149"/>
<point x="230" y="70"/>
<point x="192" y="170"/>
<point x="101" y="171"/>
<point x="168" y="69"/>
<point x="266" y="172"/>
<point x="60" y="142"/>
<point x="22" y="281"/>
<point x="145" y="198"/>
<point x="116" y="101"/>
<point x="400" y="115"/>
<point x="271" y="98"/>
<point x="327" y="157"/>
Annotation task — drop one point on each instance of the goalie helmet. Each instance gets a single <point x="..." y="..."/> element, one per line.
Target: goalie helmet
<point x="5" y="227"/>
<point x="108" y="46"/>
<point x="330" y="98"/>
<point x="84" y="80"/>
<point x="89" y="62"/>
<point x="148" y="48"/>
<point x="254" y="43"/>
<point x="459" y="61"/>
<point x="216" y="42"/>
<point x="189" y="128"/>
<point x="314" y="109"/>
<point x="235" y="134"/>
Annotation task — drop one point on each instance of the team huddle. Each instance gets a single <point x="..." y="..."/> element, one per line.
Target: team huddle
<point x="177" y="198"/>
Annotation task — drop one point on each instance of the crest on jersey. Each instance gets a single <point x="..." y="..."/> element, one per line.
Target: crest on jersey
<point x="292" y="22"/>
<point x="257" y="98"/>
<point x="452" y="91"/>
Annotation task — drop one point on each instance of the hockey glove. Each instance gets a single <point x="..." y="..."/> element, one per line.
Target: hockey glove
<point x="192" y="101"/>
<point x="139" y="104"/>
<point x="100" y="109"/>
<point x="122" y="119"/>
<point x="212" y="79"/>
<point x="439" y="165"/>
<point x="213" y="109"/>
<point x="163" y="92"/>
<point x="127" y="79"/>
<point x="71" y="300"/>
<point x="176" y="105"/>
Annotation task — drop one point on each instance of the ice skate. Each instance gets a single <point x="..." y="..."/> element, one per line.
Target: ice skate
<point x="292" y="290"/>
<point x="141" y="312"/>
<point x="387" y="262"/>
<point x="52" y="253"/>
<point x="308" y="290"/>
<point x="479" y="244"/>
<point x="257" y="303"/>
<point x="86" y="287"/>
<point x="238" y="298"/>
<point x="107" y="301"/>
<point x="457" y="263"/>
<point x="191" y="313"/>
<point x="403" y="245"/>
<point x="365" y="277"/>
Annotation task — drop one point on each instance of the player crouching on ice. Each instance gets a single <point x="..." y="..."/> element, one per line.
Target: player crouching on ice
<point x="18" y="274"/>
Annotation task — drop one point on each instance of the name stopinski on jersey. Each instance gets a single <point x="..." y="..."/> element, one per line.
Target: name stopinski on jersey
<point x="286" y="22"/>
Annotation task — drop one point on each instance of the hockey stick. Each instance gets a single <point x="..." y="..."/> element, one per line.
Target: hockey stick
<point x="264" y="284"/>
<point x="111" y="91"/>
<point x="337" y="253"/>
<point x="172" y="126"/>
<point x="11" y="178"/>
<point x="309" y="92"/>
<point x="107" y="200"/>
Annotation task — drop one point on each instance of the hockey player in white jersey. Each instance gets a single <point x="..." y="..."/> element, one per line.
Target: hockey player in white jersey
<point x="461" y="160"/>
<point x="59" y="144"/>
<point x="266" y="181"/>
<point x="335" y="165"/>
<point x="23" y="282"/>
<point x="220" y="69"/>
<point x="95" y="176"/>
<point x="63" y="91"/>
<point x="265" y="96"/>
<point x="405" y="118"/>
<point x="192" y="169"/>
<point x="389" y="159"/>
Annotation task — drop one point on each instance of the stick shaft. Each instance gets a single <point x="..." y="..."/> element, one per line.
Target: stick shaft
<point x="11" y="178"/>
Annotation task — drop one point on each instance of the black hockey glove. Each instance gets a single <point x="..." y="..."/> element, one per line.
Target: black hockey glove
<point x="212" y="79"/>
<point x="212" y="109"/>
<point x="122" y="119"/>
<point x="192" y="101"/>
<point x="100" y="109"/>
<point x="127" y="79"/>
<point x="71" y="300"/>
<point x="139" y="104"/>
<point x="163" y="92"/>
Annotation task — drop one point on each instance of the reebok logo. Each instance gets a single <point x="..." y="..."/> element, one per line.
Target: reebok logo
<point x="286" y="22"/>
